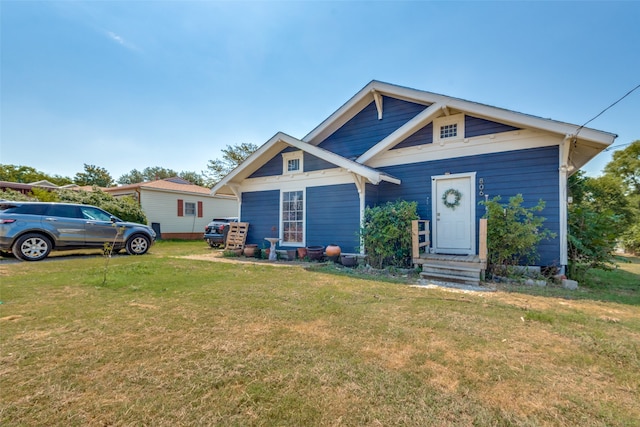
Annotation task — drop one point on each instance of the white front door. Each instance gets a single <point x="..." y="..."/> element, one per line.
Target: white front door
<point x="453" y="214"/>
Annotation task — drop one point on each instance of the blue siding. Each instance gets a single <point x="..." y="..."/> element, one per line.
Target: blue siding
<point x="474" y="126"/>
<point x="371" y="195"/>
<point x="333" y="216"/>
<point x="532" y="172"/>
<point x="365" y="130"/>
<point x="261" y="209"/>
<point x="271" y="168"/>
<point x="421" y="137"/>
<point x="274" y="167"/>
<point x="313" y="163"/>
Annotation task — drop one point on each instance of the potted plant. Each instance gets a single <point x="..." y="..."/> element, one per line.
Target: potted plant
<point x="250" y="250"/>
<point x="315" y="253"/>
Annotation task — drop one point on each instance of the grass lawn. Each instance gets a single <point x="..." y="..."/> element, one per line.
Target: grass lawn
<point x="170" y="340"/>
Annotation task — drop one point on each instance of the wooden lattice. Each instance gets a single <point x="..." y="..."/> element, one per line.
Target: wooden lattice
<point x="237" y="235"/>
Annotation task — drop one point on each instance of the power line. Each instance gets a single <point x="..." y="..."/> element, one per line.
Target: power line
<point x="602" y="112"/>
<point x="617" y="146"/>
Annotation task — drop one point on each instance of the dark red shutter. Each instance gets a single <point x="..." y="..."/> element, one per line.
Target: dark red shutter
<point x="199" y="209"/>
<point x="180" y="207"/>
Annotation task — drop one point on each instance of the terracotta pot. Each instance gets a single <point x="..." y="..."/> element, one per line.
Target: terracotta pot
<point x="302" y="253"/>
<point x="333" y="252"/>
<point x="250" y="250"/>
<point x="315" y="253"/>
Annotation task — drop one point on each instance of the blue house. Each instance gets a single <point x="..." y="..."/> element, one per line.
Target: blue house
<point x="390" y="142"/>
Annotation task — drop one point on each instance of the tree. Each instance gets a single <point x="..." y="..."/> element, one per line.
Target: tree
<point x="232" y="156"/>
<point x="133" y="177"/>
<point x="598" y="215"/>
<point x="27" y="174"/>
<point x="93" y="175"/>
<point x="193" y="177"/>
<point x="626" y="165"/>
<point x="148" y="174"/>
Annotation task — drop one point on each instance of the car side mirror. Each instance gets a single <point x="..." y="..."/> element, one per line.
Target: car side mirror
<point x="114" y="219"/>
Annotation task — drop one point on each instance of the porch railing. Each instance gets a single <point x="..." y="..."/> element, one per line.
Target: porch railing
<point x="419" y="237"/>
<point x="482" y="241"/>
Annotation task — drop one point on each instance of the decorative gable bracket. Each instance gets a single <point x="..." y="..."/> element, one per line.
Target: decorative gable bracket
<point x="378" y="99"/>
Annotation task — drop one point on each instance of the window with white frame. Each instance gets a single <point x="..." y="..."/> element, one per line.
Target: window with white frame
<point x="189" y="208"/>
<point x="448" y="131"/>
<point x="292" y="214"/>
<point x="292" y="162"/>
<point x="448" y="128"/>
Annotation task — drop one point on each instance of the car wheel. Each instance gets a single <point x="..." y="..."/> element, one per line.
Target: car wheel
<point x="32" y="247"/>
<point x="138" y="245"/>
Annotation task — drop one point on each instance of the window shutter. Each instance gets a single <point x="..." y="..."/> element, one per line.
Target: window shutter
<point x="199" y="209"/>
<point x="180" y="207"/>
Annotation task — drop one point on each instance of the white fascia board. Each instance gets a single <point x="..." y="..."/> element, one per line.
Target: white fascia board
<point x="403" y="131"/>
<point x="522" y="120"/>
<point x="491" y="113"/>
<point x="242" y="170"/>
<point x="328" y="177"/>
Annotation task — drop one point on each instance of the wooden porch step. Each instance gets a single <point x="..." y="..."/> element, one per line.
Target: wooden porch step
<point x="457" y="272"/>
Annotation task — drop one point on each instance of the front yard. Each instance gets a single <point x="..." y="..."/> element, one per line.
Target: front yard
<point x="170" y="340"/>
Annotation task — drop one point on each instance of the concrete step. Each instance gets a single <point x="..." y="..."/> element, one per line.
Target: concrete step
<point x="456" y="272"/>
<point x="439" y="277"/>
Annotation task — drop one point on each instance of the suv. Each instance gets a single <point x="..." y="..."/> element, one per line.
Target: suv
<point x="30" y="230"/>
<point x="215" y="233"/>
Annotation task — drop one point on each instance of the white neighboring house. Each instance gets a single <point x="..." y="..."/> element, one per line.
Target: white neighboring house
<point x="176" y="208"/>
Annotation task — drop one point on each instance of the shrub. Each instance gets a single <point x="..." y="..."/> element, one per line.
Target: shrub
<point x="13" y="195"/>
<point x="124" y="208"/>
<point x="513" y="232"/>
<point x="386" y="233"/>
<point x="592" y="240"/>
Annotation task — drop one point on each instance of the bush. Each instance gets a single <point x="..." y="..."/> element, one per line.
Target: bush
<point x="124" y="208"/>
<point x="13" y="195"/>
<point x="513" y="232"/>
<point x="592" y="240"/>
<point x="386" y="233"/>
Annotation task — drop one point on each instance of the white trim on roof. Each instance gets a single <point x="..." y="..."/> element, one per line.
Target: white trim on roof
<point x="279" y="141"/>
<point x="364" y="97"/>
<point x="409" y="128"/>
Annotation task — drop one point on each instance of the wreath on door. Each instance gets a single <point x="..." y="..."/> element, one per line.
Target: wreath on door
<point x="451" y="198"/>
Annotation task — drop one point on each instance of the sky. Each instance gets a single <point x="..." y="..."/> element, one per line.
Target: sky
<point x="126" y="85"/>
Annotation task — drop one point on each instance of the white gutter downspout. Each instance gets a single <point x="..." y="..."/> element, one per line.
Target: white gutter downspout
<point x="565" y="147"/>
